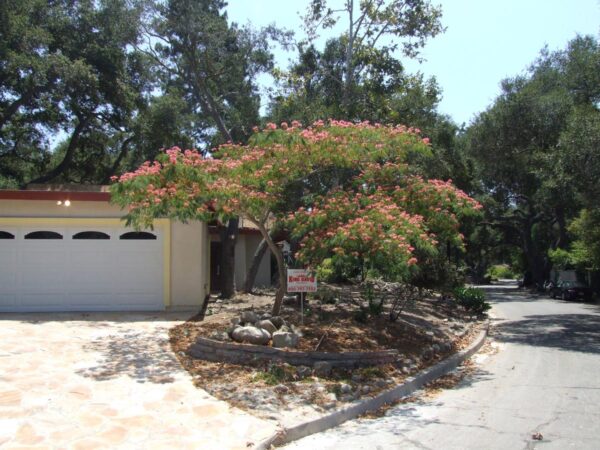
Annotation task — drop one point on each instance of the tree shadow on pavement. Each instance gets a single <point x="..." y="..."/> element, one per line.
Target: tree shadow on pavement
<point x="142" y="356"/>
<point x="410" y="414"/>
<point x="570" y="332"/>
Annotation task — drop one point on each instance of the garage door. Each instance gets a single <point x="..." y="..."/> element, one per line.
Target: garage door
<point x="45" y="268"/>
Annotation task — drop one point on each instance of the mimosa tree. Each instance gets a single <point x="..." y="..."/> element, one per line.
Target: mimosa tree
<point x="377" y="211"/>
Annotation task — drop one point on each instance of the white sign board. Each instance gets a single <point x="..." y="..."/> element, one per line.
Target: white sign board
<point x="300" y="280"/>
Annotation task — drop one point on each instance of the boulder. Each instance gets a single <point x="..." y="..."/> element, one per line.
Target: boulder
<point x="266" y="325"/>
<point x="219" y="336"/>
<point x="281" y="389"/>
<point x="345" y="388"/>
<point x="303" y="371"/>
<point x="249" y="317"/>
<point x="251" y="335"/>
<point x="231" y="329"/>
<point x="322" y="368"/>
<point x="283" y="339"/>
<point x="277" y="321"/>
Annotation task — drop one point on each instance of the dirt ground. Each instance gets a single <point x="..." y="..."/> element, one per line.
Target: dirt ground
<point x="428" y="329"/>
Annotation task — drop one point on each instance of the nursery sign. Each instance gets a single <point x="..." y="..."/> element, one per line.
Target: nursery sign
<point x="300" y="280"/>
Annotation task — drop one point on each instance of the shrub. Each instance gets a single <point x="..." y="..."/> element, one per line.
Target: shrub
<point x="276" y="374"/>
<point x="500" y="271"/>
<point x="472" y="299"/>
<point x="325" y="271"/>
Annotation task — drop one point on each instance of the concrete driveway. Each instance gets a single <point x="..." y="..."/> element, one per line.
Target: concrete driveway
<point x="107" y="380"/>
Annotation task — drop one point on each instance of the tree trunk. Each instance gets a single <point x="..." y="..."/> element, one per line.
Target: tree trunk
<point x="66" y="162"/>
<point x="117" y="162"/>
<point x="228" y="239"/>
<point x="253" y="269"/>
<point x="562" y="228"/>
<point x="534" y="260"/>
<point x="280" y="267"/>
<point x="349" y="68"/>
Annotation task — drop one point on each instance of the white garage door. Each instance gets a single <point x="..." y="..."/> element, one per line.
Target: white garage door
<point x="49" y="268"/>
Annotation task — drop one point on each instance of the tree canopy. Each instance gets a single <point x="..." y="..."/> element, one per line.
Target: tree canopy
<point x="379" y="217"/>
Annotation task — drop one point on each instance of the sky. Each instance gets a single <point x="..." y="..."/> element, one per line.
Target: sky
<point x="485" y="41"/>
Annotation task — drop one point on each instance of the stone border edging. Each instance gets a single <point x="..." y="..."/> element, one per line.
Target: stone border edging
<point x="412" y="384"/>
<point x="212" y="350"/>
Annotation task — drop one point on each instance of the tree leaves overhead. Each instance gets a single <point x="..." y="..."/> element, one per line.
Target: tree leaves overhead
<point x="535" y="149"/>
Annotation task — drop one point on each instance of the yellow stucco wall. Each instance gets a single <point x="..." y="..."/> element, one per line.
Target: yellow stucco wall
<point x="186" y="246"/>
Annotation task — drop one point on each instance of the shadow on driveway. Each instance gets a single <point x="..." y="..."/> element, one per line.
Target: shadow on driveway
<point x="570" y="332"/>
<point x="142" y="356"/>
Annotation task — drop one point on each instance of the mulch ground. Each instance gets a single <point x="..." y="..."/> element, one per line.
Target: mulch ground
<point x="336" y="327"/>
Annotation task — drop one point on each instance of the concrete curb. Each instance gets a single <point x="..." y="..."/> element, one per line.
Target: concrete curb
<point x="411" y="384"/>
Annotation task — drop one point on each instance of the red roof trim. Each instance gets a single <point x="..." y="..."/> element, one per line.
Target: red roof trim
<point x="55" y="195"/>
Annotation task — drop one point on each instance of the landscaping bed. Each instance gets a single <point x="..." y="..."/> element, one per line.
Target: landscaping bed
<point x="428" y="329"/>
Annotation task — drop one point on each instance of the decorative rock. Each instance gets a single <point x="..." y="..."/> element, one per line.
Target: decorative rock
<point x="231" y="329"/>
<point x="435" y="348"/>
<point x="356" y="377"/>
<point x="322" y="368"/>
<point x="303" y="371"/>
<point x="285" y="329"/>
<point x="219" y="336"/>
<point x="251" y="335"/>
<point x="235" y="321"/>
<point x="427" y="353"/>
<point x="347" y="398"/>
<point x="318" y="387"/>
<point x="265" y="316"/>
<point x="407" y="362"/>
<point x="281" y="389"/>
<point x="266" y="325"/>
<point x="405" y="370"/>
<point x="249" y="317"/>
<point x="380" y="383"/>
<point x="284" y="339"/>
<point x="331" y="397"/>
<point x="277" y="321"/>
<point x="366" y="389"/>
<point x="345" y="388"/>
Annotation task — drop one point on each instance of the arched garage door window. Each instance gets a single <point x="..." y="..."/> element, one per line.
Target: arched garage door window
<point x="6" y="235"/>
<point x="137" y="235"/>
<point x="43" y="235"/>
<point x="91" y="235"/>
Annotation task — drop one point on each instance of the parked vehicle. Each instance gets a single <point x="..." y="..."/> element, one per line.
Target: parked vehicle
<point x="571" y="290"/>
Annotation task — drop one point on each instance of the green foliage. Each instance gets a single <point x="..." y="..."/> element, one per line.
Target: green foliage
<point x="67" y="67"/>
<point x="325" y="271"/>
<point x="585" y="250"/>
<point x="375" y="218"/>
<point x="561" y="258"/>
<point x="535" y="151"/>
<point x="276" y="374"/>
<point x="498" y="271"/>
<point x="375" y="307"/>
<point x="328" y="298"/>
<point x="472" y="299"/>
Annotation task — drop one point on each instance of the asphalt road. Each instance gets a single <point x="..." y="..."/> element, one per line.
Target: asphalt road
<point x="545" y="377"/>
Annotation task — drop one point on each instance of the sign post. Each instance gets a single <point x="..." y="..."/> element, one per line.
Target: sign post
<point x="300" y="280"/>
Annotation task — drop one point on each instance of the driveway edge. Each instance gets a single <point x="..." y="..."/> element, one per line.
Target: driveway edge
<point x="411" y="384"/>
